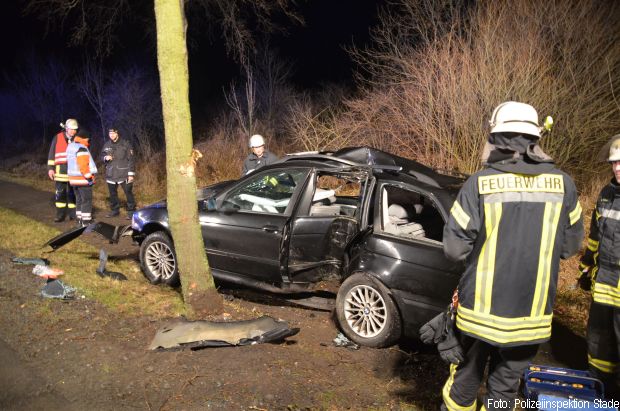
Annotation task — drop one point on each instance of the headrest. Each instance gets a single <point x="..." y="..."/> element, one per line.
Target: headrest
<point x="398" y="211"/>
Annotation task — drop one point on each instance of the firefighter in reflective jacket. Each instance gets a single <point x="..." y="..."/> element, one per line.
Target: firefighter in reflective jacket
<point x="601" y="263"/>
<point x="81" y="170"/>
<point x="64" y="197"/>
<point x="511" y="223"/>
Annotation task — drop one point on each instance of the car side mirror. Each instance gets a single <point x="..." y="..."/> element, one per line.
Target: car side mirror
<point x="210" y="204"/>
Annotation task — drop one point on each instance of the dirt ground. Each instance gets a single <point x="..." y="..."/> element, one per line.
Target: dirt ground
<point x="78" y="355"/>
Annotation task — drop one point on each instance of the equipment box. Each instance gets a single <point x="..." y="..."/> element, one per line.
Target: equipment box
<point x="553" y="388"/>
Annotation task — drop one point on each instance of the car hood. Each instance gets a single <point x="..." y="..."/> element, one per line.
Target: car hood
<point x="201" y="193"/>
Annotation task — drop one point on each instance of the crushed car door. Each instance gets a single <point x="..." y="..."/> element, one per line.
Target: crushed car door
<point x="243" y="235"/>
<point x="326" y="219"/>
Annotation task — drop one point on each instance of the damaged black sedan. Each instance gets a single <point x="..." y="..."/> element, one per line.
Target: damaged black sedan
<point x="369" y="219"/>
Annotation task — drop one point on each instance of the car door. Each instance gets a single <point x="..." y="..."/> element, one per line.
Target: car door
<point x="407" y="250"/>
<point x="243" y="234"/>
<point x="326" y="219"/>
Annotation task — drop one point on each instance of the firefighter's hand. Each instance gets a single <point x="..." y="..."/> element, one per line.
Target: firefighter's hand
<point x="129" y="179"/>
<point x="433" y="331"/>
<point x="450" y="349"/>
<point x="585" y="281"/>
<point x="51" y="174"/>
<point x="107" y="158"/>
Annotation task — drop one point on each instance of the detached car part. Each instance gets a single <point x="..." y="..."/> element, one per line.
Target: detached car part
<point x="181" y="333"/>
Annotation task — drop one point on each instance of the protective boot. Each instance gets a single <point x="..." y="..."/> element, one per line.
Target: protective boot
<point x="60" y="215"/>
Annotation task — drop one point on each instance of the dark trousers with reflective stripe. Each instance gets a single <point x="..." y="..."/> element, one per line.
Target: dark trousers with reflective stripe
<point x="506" y="366"/>
<point x="604" y="345"/>
<point x="84" y="196"/>
<point x="64" y="199"/>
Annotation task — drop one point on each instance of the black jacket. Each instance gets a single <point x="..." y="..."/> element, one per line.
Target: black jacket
<point x="122" y="164"/>
<point x="602" y="257"/>
<point x="511" y="228"/>
<point x="252" y="162"/>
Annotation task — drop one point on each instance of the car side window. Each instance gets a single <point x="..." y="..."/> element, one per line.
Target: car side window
<point x="336" y="195"/>
<point x="268" y="192"/>
<point x="408" y="214"/>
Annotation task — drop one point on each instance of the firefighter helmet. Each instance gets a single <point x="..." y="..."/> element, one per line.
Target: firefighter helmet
<point x="614" y="149"/>
<point x="70" y="124"/>
<point x="256" y="141"/>
<point x="515" y="117"/>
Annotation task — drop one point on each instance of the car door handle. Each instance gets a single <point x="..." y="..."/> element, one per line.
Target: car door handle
<point x="270" y="228"/>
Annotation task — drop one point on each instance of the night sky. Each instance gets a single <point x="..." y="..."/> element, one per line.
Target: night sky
<point x="315" y="49"/>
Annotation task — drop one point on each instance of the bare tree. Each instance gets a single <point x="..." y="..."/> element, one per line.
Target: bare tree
<point x="91" y="83"/>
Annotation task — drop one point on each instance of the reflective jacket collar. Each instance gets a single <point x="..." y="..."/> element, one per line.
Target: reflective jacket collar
<point x="80" y="140"/>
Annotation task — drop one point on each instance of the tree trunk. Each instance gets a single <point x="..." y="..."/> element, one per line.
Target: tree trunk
<point x="199" y="291"/>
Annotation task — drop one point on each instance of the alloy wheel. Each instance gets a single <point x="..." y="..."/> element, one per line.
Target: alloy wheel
<point x="159" y="259"/>
<point x="365" y="311"/>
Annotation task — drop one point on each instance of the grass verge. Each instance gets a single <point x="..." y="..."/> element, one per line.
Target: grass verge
<point x="79" y="260"/>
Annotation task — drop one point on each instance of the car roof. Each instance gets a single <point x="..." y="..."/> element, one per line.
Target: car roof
<point x="380" y="162"/>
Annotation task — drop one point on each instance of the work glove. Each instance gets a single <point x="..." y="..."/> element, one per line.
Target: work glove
<point x="585" y="281"/>
<point x="450" y="349"/>
<point x="435" y="330"/>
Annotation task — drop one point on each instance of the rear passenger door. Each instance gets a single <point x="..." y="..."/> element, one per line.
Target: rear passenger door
<point x="327" y="218"/>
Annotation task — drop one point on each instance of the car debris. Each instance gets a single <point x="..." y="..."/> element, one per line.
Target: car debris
<point x="45" y="271"/>
<point x="30" y="261"/>
<point x="342" y="341"/>
<point x="58" y="289"/>
<point x="181" y="333"/>
<point x="111" y="232"/>
<point x="102" y="272"/>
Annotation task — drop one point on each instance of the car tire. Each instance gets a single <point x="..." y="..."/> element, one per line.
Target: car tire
<point x="159" y="260"/>
<point x="367" y="313"/>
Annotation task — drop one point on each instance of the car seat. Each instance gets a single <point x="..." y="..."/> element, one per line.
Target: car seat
<point x="400" y="222"/>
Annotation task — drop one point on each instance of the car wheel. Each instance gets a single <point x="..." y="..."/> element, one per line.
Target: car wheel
<point x="158" y="259"/>
<point x="366" y="312"/>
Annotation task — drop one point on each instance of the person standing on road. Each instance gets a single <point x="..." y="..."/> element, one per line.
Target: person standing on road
<point x="510" y="224"/>
<point x="64" y="197"/>
<point x="600" y="267"/>
<point x="259" y="156"/>
<point x="81" y="169"/>
<point x="118" y="156"/>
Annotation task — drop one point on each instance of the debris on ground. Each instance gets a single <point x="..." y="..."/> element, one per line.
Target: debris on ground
<point x="58" y="289"/>
<point x="111" y="232"/>
<point x="30" y="261"/>
<point x="102" y="272"/>
<point x="181" y="333"/>
<point x="66" y="237"/>
<point x="45" y="271"/>
<point x="342" y="341"/>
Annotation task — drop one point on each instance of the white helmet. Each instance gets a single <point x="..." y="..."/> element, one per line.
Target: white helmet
<point x="614" y="149"/>
<point x="70" y="124"/>
<point x="256" y="141"/>
<point x="514" y="117"/>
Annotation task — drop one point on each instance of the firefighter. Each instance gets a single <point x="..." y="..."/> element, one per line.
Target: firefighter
<point x="259" y="156"/>
<point x="64" y="197"/>
<point x="118" y="156"/>
<point x="510" y="224"/>
<point x="599" y="265"/>
<point x="81" y="169"/>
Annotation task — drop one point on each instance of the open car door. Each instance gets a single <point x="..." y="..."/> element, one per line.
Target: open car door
<point x="327" y="218"/>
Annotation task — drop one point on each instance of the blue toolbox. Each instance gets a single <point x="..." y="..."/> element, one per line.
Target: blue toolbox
<point x="553" y="388"/>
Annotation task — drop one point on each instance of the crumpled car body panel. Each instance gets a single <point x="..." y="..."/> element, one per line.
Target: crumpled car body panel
<point x="181" y="333"/>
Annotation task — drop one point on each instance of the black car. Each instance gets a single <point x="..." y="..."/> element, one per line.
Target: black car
<point x="372" y="220"/>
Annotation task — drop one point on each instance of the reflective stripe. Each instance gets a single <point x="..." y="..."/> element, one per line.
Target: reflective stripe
<point x="551" y="217"/>
<point x="503" y="336"/>
<point x="606" y="294"/>
<point x="592" y="244"/>
<point x="51" y="163"/>
<point x="575" y="215"/>
<point x="583" y="266"/>
<point x="460" y="215"/>
<point x="449" y="402"/>
<point x="605" y="366"/>
<point x="524" y="197"/>
<point x="486" y="260"/>
<point x="505" y="323"/>
<point x="612" y="214"/>
<point x="61" y="205"/>
<point x="500" y="183"/>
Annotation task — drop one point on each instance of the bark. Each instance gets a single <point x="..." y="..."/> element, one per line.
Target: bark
<point x="197" y="284"/>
